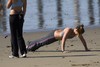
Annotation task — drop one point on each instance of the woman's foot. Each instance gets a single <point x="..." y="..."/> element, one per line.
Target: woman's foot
<point x="23" y="56"/>
<point x="87" y="50"/>
<point x="13" y="56"/>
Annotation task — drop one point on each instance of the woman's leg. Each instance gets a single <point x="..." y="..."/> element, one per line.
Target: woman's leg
<point x="14" y="45"/>
<point x="21" y="41"/>
<point x="34" y="45"/>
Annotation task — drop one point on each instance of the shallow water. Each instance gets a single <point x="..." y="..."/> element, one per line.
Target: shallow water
<point x="44" y="15"/>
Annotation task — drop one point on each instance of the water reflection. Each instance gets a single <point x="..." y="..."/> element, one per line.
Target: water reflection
<point x="59" y="13"/>
<point x="77" y="12"/>
<point x="40" y="13"/>
<point x="99" y="9"/>
<point x="3" y="27"/>
<point x="91" y="11"/>
<point x="46" y="11"/>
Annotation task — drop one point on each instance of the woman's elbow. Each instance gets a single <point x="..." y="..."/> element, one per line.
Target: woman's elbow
<point x="7" y="6"/>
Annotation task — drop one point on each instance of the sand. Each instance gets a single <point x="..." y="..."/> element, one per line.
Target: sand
<point x="51" y="55"/>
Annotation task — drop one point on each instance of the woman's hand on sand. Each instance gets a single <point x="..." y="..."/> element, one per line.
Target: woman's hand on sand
<point x="66" y="51"/>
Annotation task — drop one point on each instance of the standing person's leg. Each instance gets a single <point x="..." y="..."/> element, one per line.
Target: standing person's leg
<point x="21" y="41"/>
<point x="14" y="45"/>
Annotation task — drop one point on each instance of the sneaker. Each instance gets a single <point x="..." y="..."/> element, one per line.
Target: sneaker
<point x="13" y="56"/>
<point x="23" y="56"/>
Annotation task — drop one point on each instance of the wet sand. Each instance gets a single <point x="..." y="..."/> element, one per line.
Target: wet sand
<point x="51" y="55"/>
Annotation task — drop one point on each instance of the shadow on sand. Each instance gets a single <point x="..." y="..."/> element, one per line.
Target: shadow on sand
<point x="63" y="56"/>
<point x="66" y="50"/>
<point x="59" y="56"/>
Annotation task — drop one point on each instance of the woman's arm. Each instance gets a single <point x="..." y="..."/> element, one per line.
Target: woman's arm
<point x="24" y="6"/>
<point x="84" y="42"/>
<point x="9" y="4"/>
<point x="66" y="34"/>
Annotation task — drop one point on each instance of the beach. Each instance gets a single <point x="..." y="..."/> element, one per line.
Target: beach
<point x="51" y="55"/>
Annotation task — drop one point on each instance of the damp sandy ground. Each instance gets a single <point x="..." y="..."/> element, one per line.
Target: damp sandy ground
<point x="51" y="55"/>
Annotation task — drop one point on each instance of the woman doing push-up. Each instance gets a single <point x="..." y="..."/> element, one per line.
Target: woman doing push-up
<point x="58" y="34"/>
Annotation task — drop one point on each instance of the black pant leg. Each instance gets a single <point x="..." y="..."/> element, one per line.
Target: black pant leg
<point x="34" y="45"/>
<point x="21" y="41"/>
<point x="14" y="46"/>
